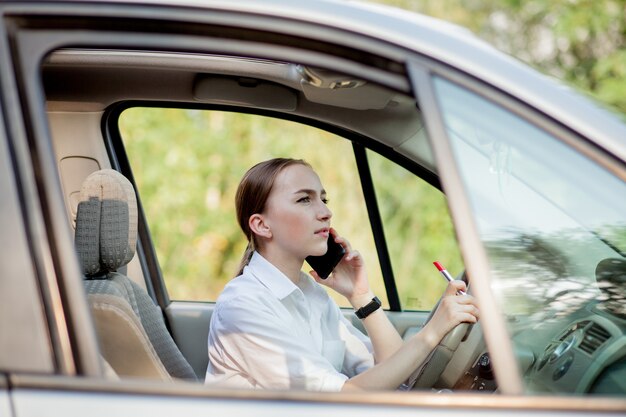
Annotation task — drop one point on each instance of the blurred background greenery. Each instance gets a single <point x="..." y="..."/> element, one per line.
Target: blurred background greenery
<point x="203" y="154"/>
<point x="187" y="164"/>
<point x="581" y="42"/>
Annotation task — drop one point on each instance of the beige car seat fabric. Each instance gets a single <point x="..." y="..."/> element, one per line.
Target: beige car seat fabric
<point x="130" y="326"/>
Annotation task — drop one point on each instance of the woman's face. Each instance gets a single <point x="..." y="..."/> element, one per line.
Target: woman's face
<point x="297" y="214"/>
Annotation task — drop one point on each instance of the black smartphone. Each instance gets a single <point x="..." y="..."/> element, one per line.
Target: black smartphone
<point x="325" y="264"/>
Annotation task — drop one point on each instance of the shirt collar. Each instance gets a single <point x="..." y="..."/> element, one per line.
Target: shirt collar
<point x="270" y="276"/>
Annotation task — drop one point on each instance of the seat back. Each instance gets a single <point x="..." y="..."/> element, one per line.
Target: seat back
<point x="130" y="326"/>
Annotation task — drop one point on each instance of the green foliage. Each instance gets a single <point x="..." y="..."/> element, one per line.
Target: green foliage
<point x="187" y="165"/>
<point x="581" y="42"/>
<point x="418" y="231"/>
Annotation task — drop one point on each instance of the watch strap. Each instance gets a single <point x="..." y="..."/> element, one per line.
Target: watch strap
<point x="368" y="309"/>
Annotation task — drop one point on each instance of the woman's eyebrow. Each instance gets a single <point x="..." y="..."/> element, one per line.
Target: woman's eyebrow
<point x="309" y="191"/>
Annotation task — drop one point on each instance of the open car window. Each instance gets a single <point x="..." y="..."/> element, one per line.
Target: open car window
<point x="187" y="164"/>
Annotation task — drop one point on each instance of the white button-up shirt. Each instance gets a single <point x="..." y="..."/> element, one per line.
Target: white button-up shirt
<point x="267" y="332"/>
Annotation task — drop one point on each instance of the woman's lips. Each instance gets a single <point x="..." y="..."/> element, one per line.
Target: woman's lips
<point x="323" y="232"/>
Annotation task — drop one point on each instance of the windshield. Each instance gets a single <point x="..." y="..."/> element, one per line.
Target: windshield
<point x="550" y="220"/>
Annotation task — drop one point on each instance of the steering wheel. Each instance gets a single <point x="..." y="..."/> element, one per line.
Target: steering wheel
<point x="433" y="366"/>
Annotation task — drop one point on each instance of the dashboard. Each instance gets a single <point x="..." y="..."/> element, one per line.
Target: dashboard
<point x="587" y="354"/>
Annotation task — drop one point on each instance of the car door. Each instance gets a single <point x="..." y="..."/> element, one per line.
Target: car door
<point x="71" y="382"/>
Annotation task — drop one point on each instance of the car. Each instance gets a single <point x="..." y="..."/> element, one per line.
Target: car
<point x="433" y="146"/>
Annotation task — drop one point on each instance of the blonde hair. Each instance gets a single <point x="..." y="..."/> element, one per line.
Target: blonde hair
<point x="252" y="194"/>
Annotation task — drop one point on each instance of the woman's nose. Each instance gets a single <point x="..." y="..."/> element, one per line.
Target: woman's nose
<point x="325" y="213"/>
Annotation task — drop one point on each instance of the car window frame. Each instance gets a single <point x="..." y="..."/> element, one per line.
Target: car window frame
<point x="146" y="249"/>
<point x="20" y="295"/>
<point x="44" y="225"/>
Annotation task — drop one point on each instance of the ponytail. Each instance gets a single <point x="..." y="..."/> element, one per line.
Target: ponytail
<point x="247" y="255"/>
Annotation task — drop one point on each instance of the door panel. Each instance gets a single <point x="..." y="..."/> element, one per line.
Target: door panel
<point x="190" y="322"/>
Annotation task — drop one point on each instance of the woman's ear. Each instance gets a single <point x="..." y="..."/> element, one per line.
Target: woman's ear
<point x="259" y="227"/>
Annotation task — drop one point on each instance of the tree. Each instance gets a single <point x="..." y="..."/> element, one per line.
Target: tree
<point x="582" y="42"/>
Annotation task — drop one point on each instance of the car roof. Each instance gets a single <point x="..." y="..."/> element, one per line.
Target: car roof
<point x="444" y="42"/>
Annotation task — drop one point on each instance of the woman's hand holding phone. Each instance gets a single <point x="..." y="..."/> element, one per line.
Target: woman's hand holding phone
<point x="323" y="265"/>
<point x="349" y="277"/>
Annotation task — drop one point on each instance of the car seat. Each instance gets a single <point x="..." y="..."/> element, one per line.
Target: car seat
<point x="130" y="326"/>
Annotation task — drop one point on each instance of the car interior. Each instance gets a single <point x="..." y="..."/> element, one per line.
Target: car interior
<point x="82" y="89"/>
<point x="87" y="88"/>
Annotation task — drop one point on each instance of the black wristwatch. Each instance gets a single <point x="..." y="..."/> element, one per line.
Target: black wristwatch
<point x="368" y="309"/>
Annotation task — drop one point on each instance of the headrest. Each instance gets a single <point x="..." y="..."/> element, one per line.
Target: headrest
<point x="613" y="270"/>
<point x="106" y="222"/>
<point x="611" y="277"/>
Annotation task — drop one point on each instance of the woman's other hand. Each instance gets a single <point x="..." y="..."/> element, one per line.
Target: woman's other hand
<point x="453" y="309"/>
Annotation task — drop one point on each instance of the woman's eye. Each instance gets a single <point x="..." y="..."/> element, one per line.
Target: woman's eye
<point x="307" y="199"/>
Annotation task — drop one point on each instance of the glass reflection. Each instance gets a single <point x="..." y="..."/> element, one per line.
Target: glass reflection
<point x="553" y="224"/>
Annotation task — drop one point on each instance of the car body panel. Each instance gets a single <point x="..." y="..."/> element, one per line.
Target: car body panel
<point x="33" y="396"/>
<point x="5" y="398"/>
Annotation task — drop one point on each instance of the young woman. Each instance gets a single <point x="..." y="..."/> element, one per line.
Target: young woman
<point x="275" y="327"/>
